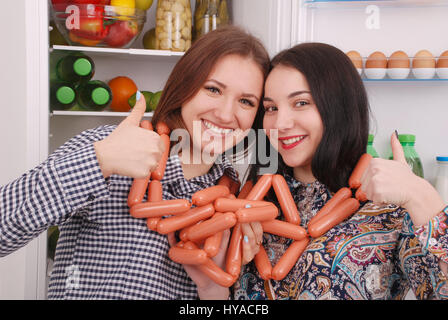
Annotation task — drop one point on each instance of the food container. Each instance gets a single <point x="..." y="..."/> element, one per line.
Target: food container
<point x="210" y="15"/>
<point x="95" y="25"/>
<point x="375" y="73"/>
<point x="424" y="73"/>
<point x="398" y="73"/>
<point x="173" y="25"/>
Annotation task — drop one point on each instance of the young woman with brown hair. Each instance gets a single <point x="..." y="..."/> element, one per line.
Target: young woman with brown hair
<point x="103" y="252"/>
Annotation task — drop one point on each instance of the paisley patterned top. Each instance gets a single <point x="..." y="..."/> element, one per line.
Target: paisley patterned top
<point x="375" y="254"/>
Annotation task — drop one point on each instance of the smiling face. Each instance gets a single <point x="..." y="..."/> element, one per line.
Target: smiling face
<point x="224" y="108"/>
<point x="290" y="108"/>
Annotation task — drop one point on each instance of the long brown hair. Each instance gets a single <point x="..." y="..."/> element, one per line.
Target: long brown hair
<point x="192" y="70"/>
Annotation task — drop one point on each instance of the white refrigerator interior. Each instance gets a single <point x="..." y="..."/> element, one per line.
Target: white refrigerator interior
<point x="30" y="132"/>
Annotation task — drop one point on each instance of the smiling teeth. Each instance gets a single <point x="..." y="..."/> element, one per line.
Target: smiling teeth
<point x="292" y="140"/>
<point x="216" y="129"/>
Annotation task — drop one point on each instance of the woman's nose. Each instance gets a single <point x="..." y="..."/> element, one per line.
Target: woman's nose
<point x="224" y="112"/>
<point x="284" y="119"/>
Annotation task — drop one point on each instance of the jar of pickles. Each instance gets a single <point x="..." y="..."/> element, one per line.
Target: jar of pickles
<point x="209" y="15"/>
<point x="173" y="25"/>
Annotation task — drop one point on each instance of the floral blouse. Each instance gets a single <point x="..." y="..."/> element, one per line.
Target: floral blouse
<point x="375" y="254"/>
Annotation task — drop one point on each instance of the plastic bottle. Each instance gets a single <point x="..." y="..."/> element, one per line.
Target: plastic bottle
<point x="408" y="142"/>
<point x="94" y="95"/>
<point x="62" y="95"/>
<point x="370" y="149"/>
<point x="76" y="68"/>
<point x="442" y="178"/>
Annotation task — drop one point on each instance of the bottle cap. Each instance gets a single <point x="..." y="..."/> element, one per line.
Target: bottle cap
<point x="65" y="95"/>
<point x="100" y="96"/>
<point x="406" y="138"/>
<point x="82" y="67"/>
<point x="370" y="139"/>
<point x="443" y="159"/>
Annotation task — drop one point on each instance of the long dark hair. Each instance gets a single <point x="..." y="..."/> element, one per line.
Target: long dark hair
<point x="341" y="100"/>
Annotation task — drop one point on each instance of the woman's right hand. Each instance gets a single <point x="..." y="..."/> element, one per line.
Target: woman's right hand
<point x="130" y="150"/>
<point x="207" y="288"/>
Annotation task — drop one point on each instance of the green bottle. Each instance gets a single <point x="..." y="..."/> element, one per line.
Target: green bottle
<point x="94" y="95"/>
<point x="75" y="67"/>
<point x="370" y="149"/>
<point x="62" y="95"/>
<point x="408" y="142"/>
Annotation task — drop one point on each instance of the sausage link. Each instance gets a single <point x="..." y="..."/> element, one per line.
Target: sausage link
<point x="158" y="173"/>
<point x="355" y="179"/>
<point x="217" y="274"/>
<point x="289" y="259"/>
<point x="212" y="244"/>
<point x="206" y="196"/>
<point x="289" y="207"/>
<point x="211" y="226"/>
<point x="341" y="212"/>
<point x="226" y="205"/>
<point x="187" y="256"/>
<point x="264" y="213"/>
<point x="245" y="189"/>
<point x="284" y="229"/>
<point x="361" y="195"/>
<point x="341" y="195"/>
<point x="159" y="208"/>
<point x="155" y="193"/>
<point x="263" y="264"/>
<point x="185" y="219"/>
<point x="234" y="252"/>
<point x="260" y="188"/>
<point x="137" y="191"/>
<point x="162" y="128"/>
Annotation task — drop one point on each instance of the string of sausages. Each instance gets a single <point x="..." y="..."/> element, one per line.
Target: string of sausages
<point x="217" y="208"/>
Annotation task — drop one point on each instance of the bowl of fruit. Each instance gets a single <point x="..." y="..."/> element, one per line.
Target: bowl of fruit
<point x="98" y="23"/>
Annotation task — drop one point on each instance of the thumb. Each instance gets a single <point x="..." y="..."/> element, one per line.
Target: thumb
<point x="397" y="149"/>
<point x="138" y="111"/>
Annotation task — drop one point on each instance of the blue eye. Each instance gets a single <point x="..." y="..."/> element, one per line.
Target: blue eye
<point x="212" y="89"/>
<point x="247" y="102"/>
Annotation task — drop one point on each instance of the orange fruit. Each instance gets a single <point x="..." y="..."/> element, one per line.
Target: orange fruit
<point x="122" y="89"/>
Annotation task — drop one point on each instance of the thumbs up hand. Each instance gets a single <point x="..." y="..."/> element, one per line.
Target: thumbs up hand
<point x="130" y="150"/>
<point x="393" y="182"/>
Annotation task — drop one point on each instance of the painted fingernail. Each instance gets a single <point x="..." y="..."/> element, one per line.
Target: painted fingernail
<point x="138" y="95"/>
<point x="246" y="239"/>
<point x="396" y="133"/>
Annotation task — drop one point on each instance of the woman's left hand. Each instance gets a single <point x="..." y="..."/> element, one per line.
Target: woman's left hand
<point x="393" y="182"/>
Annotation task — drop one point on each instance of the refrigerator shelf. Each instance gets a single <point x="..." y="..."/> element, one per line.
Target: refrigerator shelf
<point x="401" y="80"/>
<point x="94" y="113"/>
<point x="134" y="54"/>
<point x="362" y="3"/>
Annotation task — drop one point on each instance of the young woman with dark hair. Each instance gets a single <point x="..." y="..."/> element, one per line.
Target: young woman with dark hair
<point x="103" y="252"/>
<point x="395" y="242"/>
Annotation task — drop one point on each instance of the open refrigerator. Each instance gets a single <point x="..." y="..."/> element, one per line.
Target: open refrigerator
<point x="410" y="105"/>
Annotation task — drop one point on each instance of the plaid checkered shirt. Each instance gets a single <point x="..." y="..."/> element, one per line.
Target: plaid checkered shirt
<point x="102" y="251"/>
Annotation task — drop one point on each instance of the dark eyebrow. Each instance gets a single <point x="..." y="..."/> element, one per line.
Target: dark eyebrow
<point x="297" y="93"/>
<point x="246" y="95"/>
<point x="291" y="95"/>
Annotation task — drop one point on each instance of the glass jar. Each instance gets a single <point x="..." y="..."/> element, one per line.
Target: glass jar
<point x="173" y="25"/>
<point x="209" y="15"/>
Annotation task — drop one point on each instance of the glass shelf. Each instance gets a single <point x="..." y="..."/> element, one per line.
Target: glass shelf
<point x="134" y="54"/>
<point x="401" y="80"/>
<point x="95" y="113"/>
<point x="382" y="3"/>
